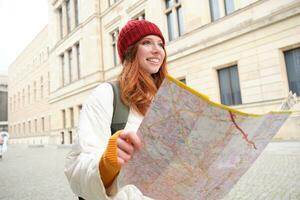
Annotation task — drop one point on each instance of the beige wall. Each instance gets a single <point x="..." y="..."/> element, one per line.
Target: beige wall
<point x="30" y="71"/>
<point x="253" y="37"/>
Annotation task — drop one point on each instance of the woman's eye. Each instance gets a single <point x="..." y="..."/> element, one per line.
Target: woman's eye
<point x="146" y="42"/>
<point x="161" y="44"/>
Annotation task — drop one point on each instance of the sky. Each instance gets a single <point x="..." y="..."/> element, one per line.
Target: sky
<point x="20" y="22"/>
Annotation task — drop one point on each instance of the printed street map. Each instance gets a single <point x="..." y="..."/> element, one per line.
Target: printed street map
<point x="195" y="148"/>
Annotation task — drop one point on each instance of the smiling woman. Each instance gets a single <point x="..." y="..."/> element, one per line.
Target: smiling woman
<point x="98" y="154"/>
<point x="28" y="18"/>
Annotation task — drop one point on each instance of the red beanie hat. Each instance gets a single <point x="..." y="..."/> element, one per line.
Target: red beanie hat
<point x="133" y="31"/>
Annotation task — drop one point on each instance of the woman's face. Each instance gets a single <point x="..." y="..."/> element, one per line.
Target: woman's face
<point x="150" y="53"/>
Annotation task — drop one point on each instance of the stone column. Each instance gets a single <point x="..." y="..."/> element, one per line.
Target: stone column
<point x="64" y="16"/>
<point x="66" y="68"/>
<point x="74" y="64"/>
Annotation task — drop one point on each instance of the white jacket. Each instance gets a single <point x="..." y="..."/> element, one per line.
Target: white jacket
<point x="82" y="163"/>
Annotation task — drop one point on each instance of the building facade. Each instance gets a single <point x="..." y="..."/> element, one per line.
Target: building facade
<point x="29" y="79"/>
<point x="3" y="103"/>
<point x="242" y="53"/>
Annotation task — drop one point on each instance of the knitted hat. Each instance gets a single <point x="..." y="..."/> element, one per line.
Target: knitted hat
<point x="133" y="31"/>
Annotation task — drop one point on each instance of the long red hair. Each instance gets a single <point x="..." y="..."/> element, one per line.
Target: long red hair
<point x="137" y="87"/>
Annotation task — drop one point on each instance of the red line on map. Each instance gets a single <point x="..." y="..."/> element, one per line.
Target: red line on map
<point x="245" y="135"/>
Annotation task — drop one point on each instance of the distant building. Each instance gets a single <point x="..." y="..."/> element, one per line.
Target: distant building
<point x="29" y="80"/>
<point x="3" y="103"/>
<point x="242" y="53"/>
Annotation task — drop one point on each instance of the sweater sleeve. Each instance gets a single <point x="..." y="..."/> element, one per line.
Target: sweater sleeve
<point x="82" y="163"/>
<point x="109" y="167"/>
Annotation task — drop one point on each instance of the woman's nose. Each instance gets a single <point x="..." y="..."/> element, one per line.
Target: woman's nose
<point x="156" y="48"/>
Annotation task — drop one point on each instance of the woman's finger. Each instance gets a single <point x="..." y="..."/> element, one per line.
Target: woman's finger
<point x="123" y="155"/>
<point x="125" y="146"/>
<point x="132" y="138"/>
<point x="121" y="162"/>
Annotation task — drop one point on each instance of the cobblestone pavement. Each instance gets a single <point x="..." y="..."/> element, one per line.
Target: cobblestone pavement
<point x="37" y="174"/>
<point x="34" y="173"/>
<point x="275" y="175"/>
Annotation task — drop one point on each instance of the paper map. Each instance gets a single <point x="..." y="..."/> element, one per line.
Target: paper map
<point x="195" y="148"/>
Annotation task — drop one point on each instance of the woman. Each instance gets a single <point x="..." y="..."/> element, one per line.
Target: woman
<point x="97" y="155"/>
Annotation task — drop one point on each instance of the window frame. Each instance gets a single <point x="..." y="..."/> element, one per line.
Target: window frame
<point x="232" y="101"/>
<point x="289" y="71"/>
<point x="174" y="20"/>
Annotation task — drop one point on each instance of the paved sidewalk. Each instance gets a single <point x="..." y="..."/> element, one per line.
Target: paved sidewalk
<point x="275" y="175"/>
<point x="36" y="173"/>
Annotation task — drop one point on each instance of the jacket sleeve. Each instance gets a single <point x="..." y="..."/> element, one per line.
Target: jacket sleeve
<point x="82" y="163"/>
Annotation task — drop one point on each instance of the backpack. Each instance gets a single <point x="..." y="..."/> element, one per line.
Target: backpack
<point x="120" y="111"/>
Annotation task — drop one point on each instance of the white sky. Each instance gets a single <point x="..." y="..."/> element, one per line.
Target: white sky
<point x="20" y="22"/>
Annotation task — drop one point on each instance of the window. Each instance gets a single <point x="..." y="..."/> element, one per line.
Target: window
<point x="140" y="16"/>
<point x="15" y="108"/>
<point x="229" y="86"/>
<point x="292" y="61"/>
<point x="34" y="90"/>
<point x="48" y="83"/>
<point x="72" y="117"/>
<point x="70" y="64"/>
<point x="174" y="18"/>
<point x="60" y="15"/>
<point x="76" y="12"/>
<point x="42" y="87"/>
<point x="78" y="59"/>
<point x="68" y="5"/>
<point x="62" y="63"/>
<point x="23" y="97"/>
<point x="114" y="38"/>
<point x="229" y="6"/>
<point x="10" y="104"/>
<point x="28" y="94"/>
<point x="24" y="129"/>
<point x="183" y="80"/>
<point x="214" y="9"/>
<point x="217" y="8"/>
<point x="29" y="126"/>
<point x="64" y="118"/>
<point x="35" y="125"/>
<point x="111" y="2"/>
<point x="43" y="124"/>
<point x="19" y="100"/>
<point x="19" y="104"/>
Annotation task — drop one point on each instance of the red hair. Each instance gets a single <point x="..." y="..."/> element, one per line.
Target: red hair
<point x="138" y="87"/>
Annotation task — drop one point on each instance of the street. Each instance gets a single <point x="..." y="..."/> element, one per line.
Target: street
<point x="36" y="173"/>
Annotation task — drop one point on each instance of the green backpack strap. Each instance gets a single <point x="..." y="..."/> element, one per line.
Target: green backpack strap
<point x="120" y="112"/>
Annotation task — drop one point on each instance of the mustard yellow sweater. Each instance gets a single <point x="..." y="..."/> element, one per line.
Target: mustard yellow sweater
<point x="108" y="166"/>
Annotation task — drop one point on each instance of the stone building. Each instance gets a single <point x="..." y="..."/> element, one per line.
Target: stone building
<point x="3" y="103"/>
<point x="29" y="80"/>
<point x="242" y="53"/>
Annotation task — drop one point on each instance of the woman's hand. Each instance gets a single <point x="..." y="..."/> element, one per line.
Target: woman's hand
<point x="127" y="144"/>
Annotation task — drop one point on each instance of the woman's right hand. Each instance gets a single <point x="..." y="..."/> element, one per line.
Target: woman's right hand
<point x="127" y="144"/>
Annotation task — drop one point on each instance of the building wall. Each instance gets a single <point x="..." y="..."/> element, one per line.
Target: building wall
<point x="3" y="103"/>
<point x="29" y="78"/>
<point x="253" y="36"/>
<point x="86" y="71"/>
